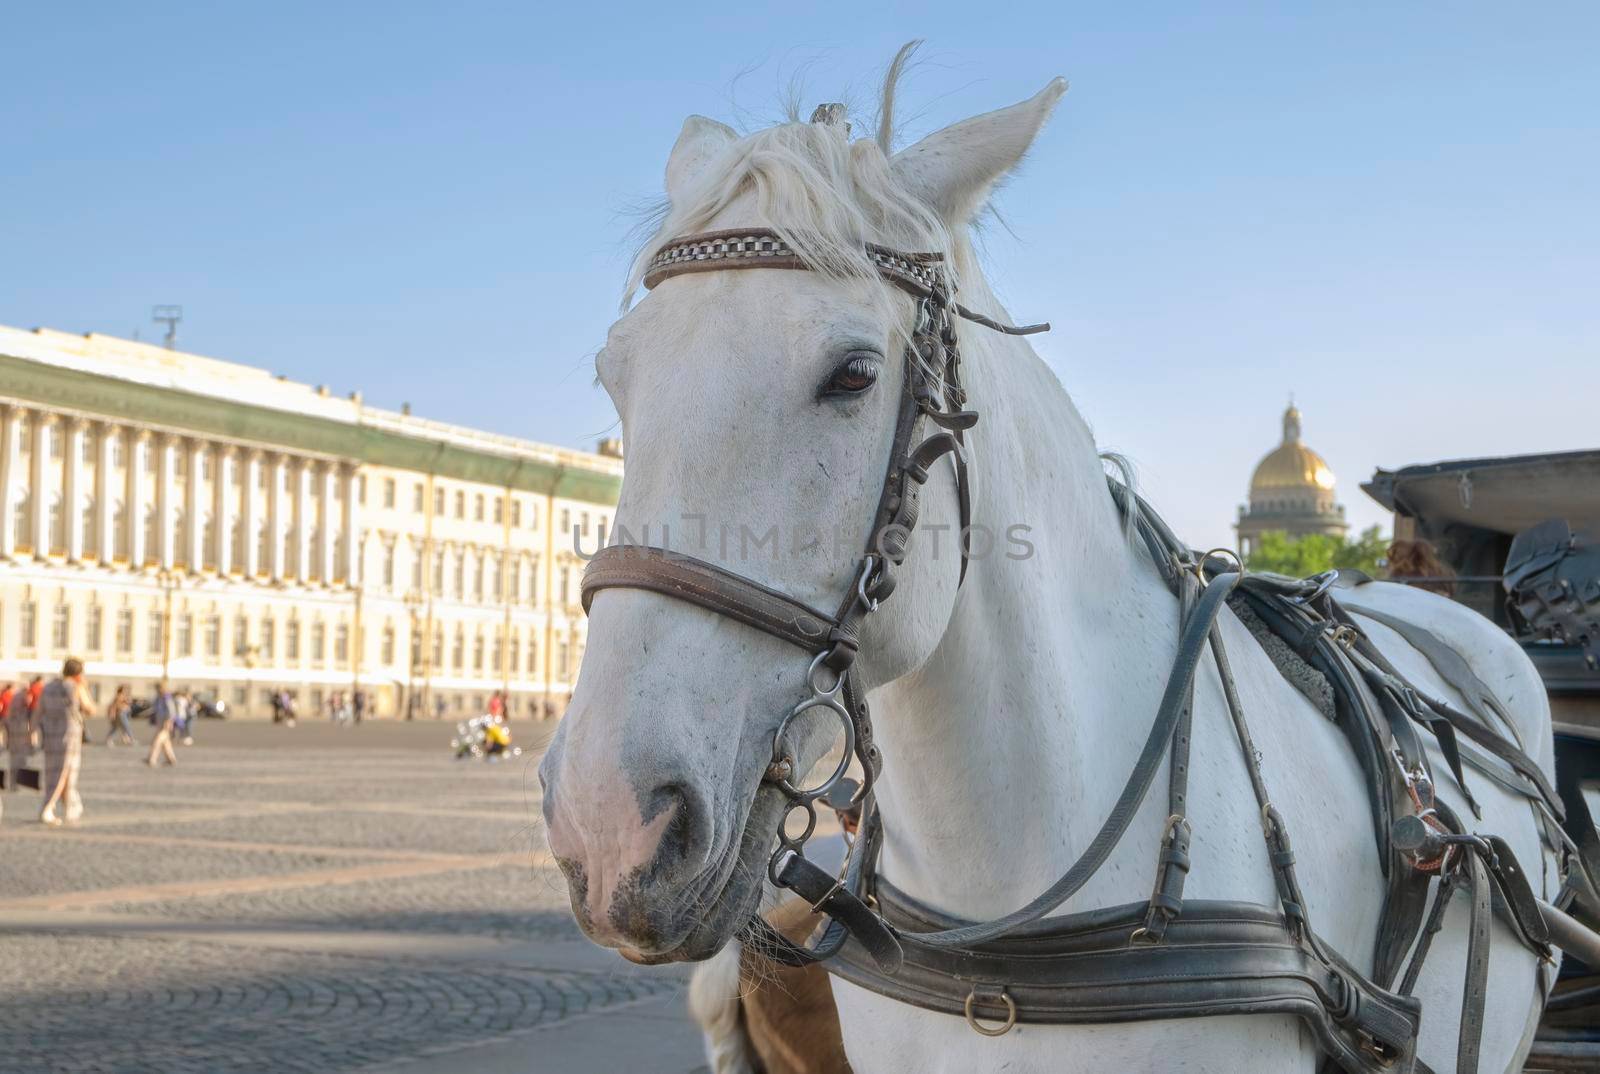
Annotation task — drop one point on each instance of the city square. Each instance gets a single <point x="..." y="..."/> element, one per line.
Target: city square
<point x="312" y="899"/>
<point x="725" y="539"/>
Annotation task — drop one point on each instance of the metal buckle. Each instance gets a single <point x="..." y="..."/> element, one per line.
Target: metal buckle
<point x="1324" y="582"/>
<point x="1221" y="553"/>
<point x="991" y="1031"/>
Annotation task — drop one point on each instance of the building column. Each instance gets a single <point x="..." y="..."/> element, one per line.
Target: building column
<point x="326" y="539"/>
<point x="251" y="506"/>
<point x="222" y="507"/>
<point x="167" y="500"/>
<point x="39" y="494"/>
<point x="277" y="517"/>
<point x="352" y="525"/>
<point x="303" y="508"/>
<point x="77" y="429"/>
<point x="104" y="509"/>
<point x="195" y="535"/>
<point x="138" y="491"/>
<point x="10" y="464"/>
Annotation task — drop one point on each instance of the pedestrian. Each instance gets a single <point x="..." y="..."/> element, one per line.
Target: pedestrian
<point x="117" y="715"/>
<point x="185" y="720"/>
<point x="59" y="717"/>
<point x="35" y="688"/>
<point x="358" y="704"/>
<point x="497" y="704"/>
<point x="19" y="733"/>
<point x="438" y="707"/>
<point x="164" y="713"/>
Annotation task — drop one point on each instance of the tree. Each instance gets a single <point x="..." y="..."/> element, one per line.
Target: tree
<point x="1301" y="557"/>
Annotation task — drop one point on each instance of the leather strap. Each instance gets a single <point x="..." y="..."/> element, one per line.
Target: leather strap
<point x="1217" y="958"/>
<point x="686" y="578"/>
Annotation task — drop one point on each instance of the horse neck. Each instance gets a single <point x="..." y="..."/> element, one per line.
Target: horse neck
<point x="1004" y="750"/>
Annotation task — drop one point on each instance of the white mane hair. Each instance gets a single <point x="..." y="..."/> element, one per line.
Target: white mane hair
<point x="826" y="195"/>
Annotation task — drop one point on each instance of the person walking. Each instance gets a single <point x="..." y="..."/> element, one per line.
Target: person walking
<point x="19" y="733"/>
<point x="59" y="716"/>
<point x="117" y="715"/>
<point x="181" y="728"/>
<point x="358" y="705"/>
<point x="165" y="716"/>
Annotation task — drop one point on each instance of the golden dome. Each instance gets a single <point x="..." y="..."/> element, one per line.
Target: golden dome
<point x="1292" y="465"/>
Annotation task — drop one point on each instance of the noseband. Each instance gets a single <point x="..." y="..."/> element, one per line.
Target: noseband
<point x="932" y="392"/>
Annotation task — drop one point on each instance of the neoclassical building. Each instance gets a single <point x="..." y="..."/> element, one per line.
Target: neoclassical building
<point x="165" y="512"/>
<point x="1292" y="491"/>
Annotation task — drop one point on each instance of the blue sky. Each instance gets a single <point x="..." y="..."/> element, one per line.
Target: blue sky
<point x="1388" y="210"/>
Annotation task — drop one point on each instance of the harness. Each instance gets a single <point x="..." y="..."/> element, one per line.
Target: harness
<point x="1162" y="957"/>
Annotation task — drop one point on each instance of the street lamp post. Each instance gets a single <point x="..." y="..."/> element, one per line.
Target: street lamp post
<point x="169" y="580"/>
<point x="413" y="603"/>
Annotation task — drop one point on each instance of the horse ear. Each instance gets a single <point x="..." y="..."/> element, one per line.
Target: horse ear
<point x="953" y="170"/>
<point x="699" y="141"/>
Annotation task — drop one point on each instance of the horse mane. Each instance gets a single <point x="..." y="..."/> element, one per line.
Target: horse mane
<point x="826" y="194"/>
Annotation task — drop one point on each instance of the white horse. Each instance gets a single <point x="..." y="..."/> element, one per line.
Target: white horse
<point x="1009" y="710"/>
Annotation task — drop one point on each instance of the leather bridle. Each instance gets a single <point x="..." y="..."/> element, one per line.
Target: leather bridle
<point x="931" y="392"/>
<point x="1162" y="957"/>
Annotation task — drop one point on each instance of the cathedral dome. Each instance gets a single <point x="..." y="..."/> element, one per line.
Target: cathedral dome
<point x="1291" y="466"/>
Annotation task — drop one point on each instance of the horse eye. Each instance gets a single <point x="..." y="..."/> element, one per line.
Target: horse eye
<point x="858" y="373"/>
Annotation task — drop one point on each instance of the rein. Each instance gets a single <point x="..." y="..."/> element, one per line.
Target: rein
<point x="1158" y="958"/>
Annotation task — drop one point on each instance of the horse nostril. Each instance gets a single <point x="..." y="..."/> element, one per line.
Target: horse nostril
<point x="683" y="840"/>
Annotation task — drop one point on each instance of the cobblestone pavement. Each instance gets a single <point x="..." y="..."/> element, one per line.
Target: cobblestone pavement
<point x="311" y="900"/>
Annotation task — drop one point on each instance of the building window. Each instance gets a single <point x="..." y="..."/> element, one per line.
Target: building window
<point x="497" y="587"/>
<point x="514" y="579"/>
<point x="461" y="504"/>
<point x="533" y="582"/>
<point x="91" y="640"/>
<point x="213" y="632"/>
<point x="58" y="525"/>
<point x="438" y="502"/>
<point x="155" y="633"/>
<point x="533" y="516"/>
<point x="416" y="647"/>
<point x="241" y="635"/>
<point x="416" y="569"/>
<point x="185" y="629"/>
<point x="319" y="641"/>
<point x="388" y="491"/>
<point x="477" y="579"/>
<point x="516" y="512"/>
<point x="438" y="647"/>
<point x="416" y="498"/>
<point x="603" y="521"/>
<point x="566" y="522"/>
<point x="583" y="526"/>
<point x="458" y="652"/>
<point x="87" y="454"/>
<point x="61" y="628"/>
<point x="566" y="585"/>
<point x="388" y="567"/>
<point x="533" y="654"/>
<point x="341" y="643"/>
<point x="205" y="466"/>
<point x="495" y="659"/>
<point x="119" y="450"/>
<point x="361" y="489"/>
<point x="477" y="653"/>
<point x="291" y="639"/>
<point x="513" y="652"/>
<point x="124" y="630"/>
<point x="461" y="574"/>
<point x="477" y="508"/>
<point x="269" y="637"/>
<point x="499" y="511"/>
<point x="54" y="436"/>
<point x="386" y="653"/>
<point x="91" y="532"/>
<point x="563" y="653"/>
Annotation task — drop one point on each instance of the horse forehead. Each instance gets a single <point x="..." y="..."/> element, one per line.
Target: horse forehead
<point x="744" y="315"/>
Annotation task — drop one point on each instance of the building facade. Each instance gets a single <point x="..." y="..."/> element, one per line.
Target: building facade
<point x="168" y="514"/>
<point x="1292" y="491"/>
